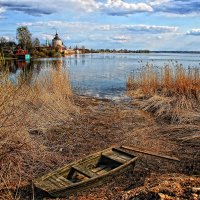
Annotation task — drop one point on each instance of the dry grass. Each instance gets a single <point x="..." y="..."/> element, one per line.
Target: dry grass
<point x="2" y="59"/>
<point x="51" y="101"/>
<point x="166" y="187"/>
<point x="171" y="93"/>
<point x="24" y="108"/>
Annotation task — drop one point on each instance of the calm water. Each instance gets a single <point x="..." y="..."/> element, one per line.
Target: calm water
<point x="102" y="75"/>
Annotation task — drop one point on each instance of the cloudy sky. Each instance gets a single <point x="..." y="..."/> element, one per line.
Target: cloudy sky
<point x="130" y="24"/>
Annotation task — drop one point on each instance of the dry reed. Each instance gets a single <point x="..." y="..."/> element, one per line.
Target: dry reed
<point x="24" y="108"/>
<point x="172" y="92"/>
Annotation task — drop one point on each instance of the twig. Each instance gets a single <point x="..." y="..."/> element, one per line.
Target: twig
<point x="33" y="191"/>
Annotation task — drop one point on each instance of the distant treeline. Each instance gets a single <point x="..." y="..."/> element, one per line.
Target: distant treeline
<point x="196" y="52"/>
<point x="118" y="51"/>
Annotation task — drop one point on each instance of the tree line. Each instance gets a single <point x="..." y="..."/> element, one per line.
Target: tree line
<point x="27" y="42"/>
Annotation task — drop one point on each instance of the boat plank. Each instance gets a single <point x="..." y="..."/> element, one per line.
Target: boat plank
<point x="117" y="154"/>
<point x="63" y="180"/>
<point x="115" y="158"/>
<point x="84" y="171"/>
<point x="103" y="171"/>
<point x="51" y="185"/>
<point x="122" y="154"/>
<point x="97" y="169"/>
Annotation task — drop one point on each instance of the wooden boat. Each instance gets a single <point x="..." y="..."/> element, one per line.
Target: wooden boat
<point x="87" y="172"/>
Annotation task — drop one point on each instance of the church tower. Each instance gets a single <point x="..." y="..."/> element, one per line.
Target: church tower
<point x="57" y="42"/>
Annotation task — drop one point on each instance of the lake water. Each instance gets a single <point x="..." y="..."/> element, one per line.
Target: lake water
<point x="105" y="75"/>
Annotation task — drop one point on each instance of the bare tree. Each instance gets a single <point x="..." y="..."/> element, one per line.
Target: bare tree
<point x="24" y="37"/>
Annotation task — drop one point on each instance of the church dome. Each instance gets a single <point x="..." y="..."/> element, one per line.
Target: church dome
<point x="56" y="37"/>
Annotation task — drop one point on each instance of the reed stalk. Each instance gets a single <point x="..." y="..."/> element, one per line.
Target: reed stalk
<point x="171" y="91"/>
<point x="24" y="108"/>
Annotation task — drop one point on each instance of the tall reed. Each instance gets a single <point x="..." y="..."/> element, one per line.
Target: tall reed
<point x="24" y="108"/>
<point x="170" y="90"/>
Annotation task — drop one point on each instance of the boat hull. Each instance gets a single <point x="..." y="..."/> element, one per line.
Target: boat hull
<point x="74" y="189"/>
<point x="62" y="182"/>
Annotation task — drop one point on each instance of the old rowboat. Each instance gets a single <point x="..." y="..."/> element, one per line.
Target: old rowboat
<point x="87" y="172"/>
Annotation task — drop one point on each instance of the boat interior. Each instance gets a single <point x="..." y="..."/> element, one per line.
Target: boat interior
<point x="98" y="165"/>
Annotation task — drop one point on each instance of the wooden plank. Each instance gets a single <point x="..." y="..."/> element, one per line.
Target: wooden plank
<point x="84" y="171"/>
<point x="57" y="182"/>
<point x="127" y="158"/>
<point x="97" y="169"/>
<point x="115" y="158"/>
<point x="63" y="180"/>
<point x="150" y="153"/>
<point x="122" y="153"/>
<point x="53" y="183"/>
<point x="103" y="171"/>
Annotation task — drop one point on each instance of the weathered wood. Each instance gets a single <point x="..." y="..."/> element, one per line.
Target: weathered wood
<point x="122" y="153"/>
<point x="125" y="157"/>
<point x="87" y="172"/>
<point x="115" y="158"/>
<point x="54" y="183"/>
<point x="84" y="171"/>
<point x="63" y="180"/>
<point x="150" y="153"/>
<point x="97" y="169"/>
<point x="103" y="171"/>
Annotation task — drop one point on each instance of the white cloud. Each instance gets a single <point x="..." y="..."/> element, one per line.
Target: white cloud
<point x="109" y="7"/>
<point x="46" y="36"/>
<point x="139" y="28"/>
<point x="195" y="32"/>
<point x="2" y="10"/>
<point x="152" y="28"/>
<point x="121" y="38"/>
<point x="46" y="7"/>
<point x="158" y="2"/>
<point x="85" y="5"/>
<point x="87" y="26"/>
<point x="6" y="37"/>
<point x="54" y="23"/>
<point x="174" y="8"/>
<point x="119" y="7"/>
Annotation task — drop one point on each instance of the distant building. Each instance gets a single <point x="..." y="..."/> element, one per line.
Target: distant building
<point x="57" y="42"/>
<point x="47" y="43"/>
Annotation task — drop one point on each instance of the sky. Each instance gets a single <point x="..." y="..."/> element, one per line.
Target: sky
<point x="114" y="24"/>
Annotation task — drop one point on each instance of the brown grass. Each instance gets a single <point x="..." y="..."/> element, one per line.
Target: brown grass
<point x="172" y="92"/>
<point x="24" y="109"/>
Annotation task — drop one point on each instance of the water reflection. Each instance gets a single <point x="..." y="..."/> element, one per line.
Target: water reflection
<point x="21" y="71"/>
<point x="99" y="75"/>
<point x="57" y="64"/>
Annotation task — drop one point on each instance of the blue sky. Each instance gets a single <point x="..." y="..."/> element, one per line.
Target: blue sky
<point x="119" y="24"/>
